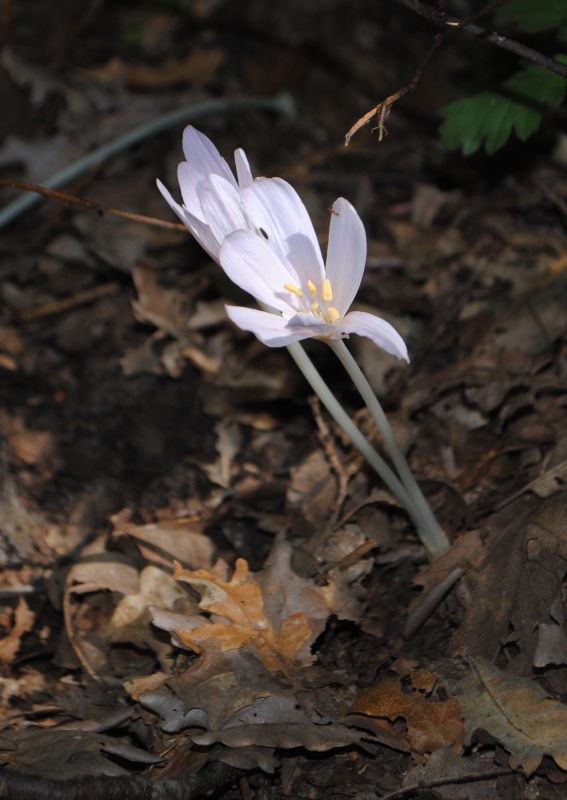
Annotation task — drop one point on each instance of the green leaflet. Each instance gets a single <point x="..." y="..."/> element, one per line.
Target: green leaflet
<point x="489" y="117"/>
<point x="533" y="16"/>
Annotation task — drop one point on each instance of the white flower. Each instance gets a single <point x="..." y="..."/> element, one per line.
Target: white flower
<point x="211" y="205"/>
<point x="282" y="267"/>
<point x="262" y="236"/>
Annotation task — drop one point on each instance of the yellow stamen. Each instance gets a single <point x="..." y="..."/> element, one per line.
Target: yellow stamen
<point x="327" y="290"/>
<point x="333" y="314"/>
<point x="293" y="289"/>
<point x="312" y="288"/>
<point x="314" y="307"/>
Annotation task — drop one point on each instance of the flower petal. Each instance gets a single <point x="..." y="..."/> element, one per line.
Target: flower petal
<point x="203" y="157"/>
<point x="190" y="183"/>
<point x="269" y="328"/>
<point x="317" y="328"/>
<point x="346" y="254"/>
<point x="220" y="202"/>
<point x="243" y="170"/>
<point x="378" y="330"/>
<point x="252" y="265"/>
<point x="197" y="227"/>
<point x="276" y="209"/>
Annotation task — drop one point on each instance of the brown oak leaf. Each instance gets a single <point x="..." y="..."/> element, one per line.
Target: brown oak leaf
<point x="276" y="614"/>
<point x="517" y="712"/>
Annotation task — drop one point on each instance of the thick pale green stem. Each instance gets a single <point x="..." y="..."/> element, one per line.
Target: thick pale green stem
<point x="431" y="534"/>
<point x="342" y="419"/>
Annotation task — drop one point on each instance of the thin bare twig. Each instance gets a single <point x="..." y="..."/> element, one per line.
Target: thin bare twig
<point x="450" y="23"/>
<point x="99" y="208"/>
<point x="462" y="779"/>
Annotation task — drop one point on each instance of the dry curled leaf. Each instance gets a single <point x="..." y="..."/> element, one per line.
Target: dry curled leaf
<point x="285" y="735"/>
<point x="24" y="620"/>
<point x="431" y="724"/>
<point x="517" y="712"/>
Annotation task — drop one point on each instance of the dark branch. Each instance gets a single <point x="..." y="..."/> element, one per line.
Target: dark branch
<point x="14" y="786"/>
<point x="496" y="39"/>
<point x="381" y="112"/>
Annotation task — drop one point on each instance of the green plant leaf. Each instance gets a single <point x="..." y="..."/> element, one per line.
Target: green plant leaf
<point x="489" y="117"/>
<point x="532" y="16"/>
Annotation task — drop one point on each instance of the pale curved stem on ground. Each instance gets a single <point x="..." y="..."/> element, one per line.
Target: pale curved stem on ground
<point x="281" y="104"/>
<point x="433" y="537"/>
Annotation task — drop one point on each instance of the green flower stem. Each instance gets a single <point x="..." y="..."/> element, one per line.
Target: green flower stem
<point x="431" y="534"/>
<point x="342" y="419"/>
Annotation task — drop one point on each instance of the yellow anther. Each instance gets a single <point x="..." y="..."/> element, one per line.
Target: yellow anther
<point x="312" y="288"/>
<point x="333" y="314"/>
<point x="293" y="289"/>
<point x="314" y="307"/>
<point x="327" y="290"/>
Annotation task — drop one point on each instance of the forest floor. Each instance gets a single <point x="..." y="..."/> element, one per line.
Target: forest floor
<point x="161" y="470"/>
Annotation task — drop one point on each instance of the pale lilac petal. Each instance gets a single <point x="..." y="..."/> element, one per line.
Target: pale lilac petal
<point x="203" y="157"/>
<point x="376" y="329"/>
<point x="270" y="329"/>
<point x="191" y="183"/>
<point x="243" y="170"/>
<point x="220" y="202"/>
<point x="202" y="234"/>
<point x="250" y="264"/>
<point x="346" y="254"/>
<point x="198" y="228"/>
<point x="276" y="211"/>
<point x="166" y="194"/>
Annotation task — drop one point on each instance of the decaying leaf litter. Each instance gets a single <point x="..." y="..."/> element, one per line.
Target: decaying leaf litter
<point x="197" y="568"/>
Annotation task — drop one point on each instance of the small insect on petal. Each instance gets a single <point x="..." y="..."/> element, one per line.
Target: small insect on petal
<point x="264" y="234"/>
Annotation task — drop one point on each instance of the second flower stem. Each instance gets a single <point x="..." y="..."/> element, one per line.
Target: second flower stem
<point x="342" y="419"/>
<point x="432" y="535"/>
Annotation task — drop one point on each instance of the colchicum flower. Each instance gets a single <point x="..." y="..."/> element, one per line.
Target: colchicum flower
<point x="259" y="231"/>
<point x="262" y="236"/>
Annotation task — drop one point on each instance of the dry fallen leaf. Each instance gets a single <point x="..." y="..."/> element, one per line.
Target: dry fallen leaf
<point x="160" y="542"/>
<point x="199" y="67"/>
<point x="518" y="581"/>
<point x="276" y="614"/>
<point x="517" y="712"/>
<point x="210" y="692"/>
<point x="24" y="620"/>
<point x="240" y="602"/>
<point x="68" y="754"/>
<point x="431" y="725"/>
<point x="132" y="617"/>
